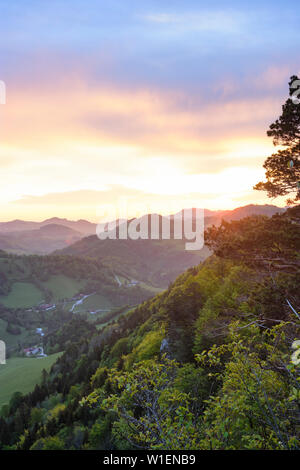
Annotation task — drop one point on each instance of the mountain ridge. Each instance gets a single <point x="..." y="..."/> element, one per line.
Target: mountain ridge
<point x="19" y="224"/>
<point x="26" y="237"/>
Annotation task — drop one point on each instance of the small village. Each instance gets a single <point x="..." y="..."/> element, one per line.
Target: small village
<point x="78" y="299"/>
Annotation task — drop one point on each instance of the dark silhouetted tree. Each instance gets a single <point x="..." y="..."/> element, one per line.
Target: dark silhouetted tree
<point x="283" y="168"/>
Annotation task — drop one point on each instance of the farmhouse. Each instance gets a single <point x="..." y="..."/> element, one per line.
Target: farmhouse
<point x="34" y="351"/>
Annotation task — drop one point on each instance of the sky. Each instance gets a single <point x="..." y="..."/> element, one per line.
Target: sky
<point x="147" y="106"/>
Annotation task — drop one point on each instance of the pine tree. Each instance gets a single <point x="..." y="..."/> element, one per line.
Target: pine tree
<point x="283" y="168"/>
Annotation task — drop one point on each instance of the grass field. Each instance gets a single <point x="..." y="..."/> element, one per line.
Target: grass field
<point x="21" y="374"/>
<point x="22" y="294"/>
<point x="63" y="287"/>
<point x="94" y="302"/>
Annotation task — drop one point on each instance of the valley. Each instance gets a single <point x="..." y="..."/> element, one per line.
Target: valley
<point x="39" y="295"/>
<point x="95" y="280"/>
<point x="85" y="321"/>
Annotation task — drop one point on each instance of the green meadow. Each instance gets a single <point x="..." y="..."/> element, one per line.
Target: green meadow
<point x="21" y="374"/>
<point x="63" y="287"/>
<point x="22" y="295"/>
<point x="93" y="302"/>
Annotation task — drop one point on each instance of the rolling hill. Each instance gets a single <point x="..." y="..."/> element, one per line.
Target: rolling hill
<point x="156" y="261"/>
<point x="40" y="241"/>
<point x="27" y="237"/>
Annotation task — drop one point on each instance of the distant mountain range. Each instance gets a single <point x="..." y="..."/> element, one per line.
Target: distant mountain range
<point x="160" y="261"/>
<point x="28" y="237"/>
<point x="22" y="237"/>
<point x="82" y="226"/>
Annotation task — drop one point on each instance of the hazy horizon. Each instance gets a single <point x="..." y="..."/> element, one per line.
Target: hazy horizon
<point x="160" y="104"/>
<point x="104" y="220"/>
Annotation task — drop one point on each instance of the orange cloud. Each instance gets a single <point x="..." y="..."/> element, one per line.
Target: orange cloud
<point x="78" y="138"/>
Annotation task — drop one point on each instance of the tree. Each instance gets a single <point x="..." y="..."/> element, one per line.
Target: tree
<point x="283" y="168"/>
<point x="257" y="405"/>
<point x="150" y="412"/>
<point x="258" y="240"/>
<point x="48" y="443"/>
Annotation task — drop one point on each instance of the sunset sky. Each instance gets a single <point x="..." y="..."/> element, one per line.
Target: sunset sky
<point x="161" y="104"/>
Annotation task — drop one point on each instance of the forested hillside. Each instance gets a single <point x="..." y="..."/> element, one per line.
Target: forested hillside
<point x="155" y="261"/>
<point x="211" y="363"/>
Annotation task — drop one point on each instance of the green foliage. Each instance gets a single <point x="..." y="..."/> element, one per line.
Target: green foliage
<point x="222" y="306"/>
<point x="99" y="435"/>
<point x="148" y="347"/>
<point x="49" y="443"/>
<point x="136" y="383"/>
<point x="120" y="348"/>
<point x="152" y="413"/>
<point x="255" y="407"/>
